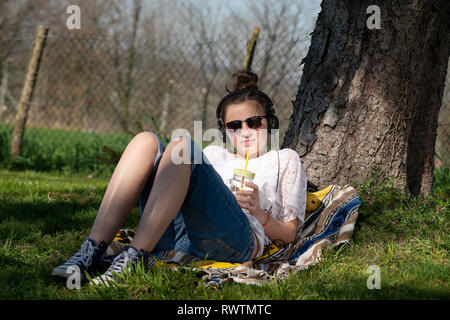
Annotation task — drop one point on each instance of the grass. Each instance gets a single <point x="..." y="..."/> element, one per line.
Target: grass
<point x="51" y="150"/>
<point x="45" y="216"/>
<point x="67" y="152"/>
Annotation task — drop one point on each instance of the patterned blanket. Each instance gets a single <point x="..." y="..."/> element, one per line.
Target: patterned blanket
<point x="331" y="214"/>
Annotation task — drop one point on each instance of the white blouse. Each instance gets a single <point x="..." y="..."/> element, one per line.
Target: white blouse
<point x="290" y="200"/>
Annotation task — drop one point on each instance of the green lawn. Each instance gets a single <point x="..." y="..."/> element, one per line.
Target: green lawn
<point x="44" y="217"/>
<point x="62" y="151"/>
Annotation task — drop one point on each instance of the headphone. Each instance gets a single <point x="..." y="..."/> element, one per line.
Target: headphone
<point x="272" y="119"/>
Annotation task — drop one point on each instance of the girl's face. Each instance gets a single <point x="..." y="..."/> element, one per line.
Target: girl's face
<point x="246" y="139"/>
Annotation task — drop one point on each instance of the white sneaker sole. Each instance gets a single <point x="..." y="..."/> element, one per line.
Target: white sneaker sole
<point x="60" y="272"/>
<point x="102" y="281"/>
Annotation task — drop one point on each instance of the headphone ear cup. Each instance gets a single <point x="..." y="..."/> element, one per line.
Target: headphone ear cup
<point x="276" y="122"/>
<point x="222" y="130"/>
<point x="273" y="123"/>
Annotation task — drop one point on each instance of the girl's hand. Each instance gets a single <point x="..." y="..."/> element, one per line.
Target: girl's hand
<point x="249" y="199"/>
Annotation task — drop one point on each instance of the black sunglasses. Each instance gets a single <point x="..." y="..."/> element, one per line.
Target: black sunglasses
<point x="253" y="123"/>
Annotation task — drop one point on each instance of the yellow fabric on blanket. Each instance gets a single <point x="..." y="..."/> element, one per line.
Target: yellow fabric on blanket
<point x="314" y="199"/>
<point x="201" y="264"/>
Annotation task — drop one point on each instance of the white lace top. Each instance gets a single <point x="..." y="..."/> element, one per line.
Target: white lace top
<point x="290" y="200"/>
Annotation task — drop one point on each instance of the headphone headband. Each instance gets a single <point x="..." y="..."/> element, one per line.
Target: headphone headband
<point x="270" y="110"/>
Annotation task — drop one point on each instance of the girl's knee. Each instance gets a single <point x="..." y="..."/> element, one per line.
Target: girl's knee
<point x="181" y="143"/>
<point x="146" y="140"/>
<point x="185" y="150"/>
<point x="179" y="146"/>
<point x="181" y="139"/>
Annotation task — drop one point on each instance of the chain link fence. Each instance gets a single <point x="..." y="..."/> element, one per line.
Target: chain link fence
<point x="104" y="87"/>
<point x="442" y="150"/>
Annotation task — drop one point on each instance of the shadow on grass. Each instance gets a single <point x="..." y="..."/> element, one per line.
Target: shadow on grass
<point x="20" y="218"/>
<point x="389" y="289"/>
<point x="44" y="216"/>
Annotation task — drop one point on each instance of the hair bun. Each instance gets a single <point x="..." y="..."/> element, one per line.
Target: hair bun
<point x="245" y="80"/>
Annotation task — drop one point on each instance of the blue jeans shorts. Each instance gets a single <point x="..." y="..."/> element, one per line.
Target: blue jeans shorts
<point x="210" y="224"/>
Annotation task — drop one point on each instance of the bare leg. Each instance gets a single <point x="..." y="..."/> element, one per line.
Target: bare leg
<point x="125" y="186"/>
<point x="165" y="199"/>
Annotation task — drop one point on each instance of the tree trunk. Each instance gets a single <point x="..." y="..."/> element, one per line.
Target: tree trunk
<point x="369" y="98"/>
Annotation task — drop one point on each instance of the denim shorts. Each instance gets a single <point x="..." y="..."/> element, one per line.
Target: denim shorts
<point x="210" y="224"/>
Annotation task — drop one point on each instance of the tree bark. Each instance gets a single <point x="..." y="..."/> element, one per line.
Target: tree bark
<point x="369" y="99"/>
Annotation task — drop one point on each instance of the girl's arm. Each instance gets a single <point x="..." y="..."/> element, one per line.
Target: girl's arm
<point x="277" y="230"/>
<point x="292" y="199"/>
<point x="273" y="228"/>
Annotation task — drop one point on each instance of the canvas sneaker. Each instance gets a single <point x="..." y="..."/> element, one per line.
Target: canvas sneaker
<point x="124" y="264"/>
<point x="88" y="259"/>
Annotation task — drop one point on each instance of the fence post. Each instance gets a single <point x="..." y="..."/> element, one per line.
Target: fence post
<point x="251" y="45"/>
<point x="27" y="90"/>
<point x="3" y="88"/>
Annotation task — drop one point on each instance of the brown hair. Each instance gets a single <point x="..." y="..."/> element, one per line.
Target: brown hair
<point x="244" y="80"/>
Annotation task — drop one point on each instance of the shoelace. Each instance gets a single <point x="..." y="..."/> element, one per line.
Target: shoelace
<point x="84" y="255"/>
<point x="120" y="263"/>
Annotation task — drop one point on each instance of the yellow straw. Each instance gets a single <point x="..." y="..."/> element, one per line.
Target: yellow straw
<point x="245" y="170"/>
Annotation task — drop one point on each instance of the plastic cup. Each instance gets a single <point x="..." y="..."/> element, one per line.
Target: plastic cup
<point x="236" y="182"/>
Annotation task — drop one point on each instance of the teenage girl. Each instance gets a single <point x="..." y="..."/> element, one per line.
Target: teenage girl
<point x="189" y="206"/>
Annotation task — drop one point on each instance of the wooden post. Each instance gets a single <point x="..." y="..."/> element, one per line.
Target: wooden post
<point x="251" y="45"/>
<point x="27" y="90"/>
<point x="3" y="88"/>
